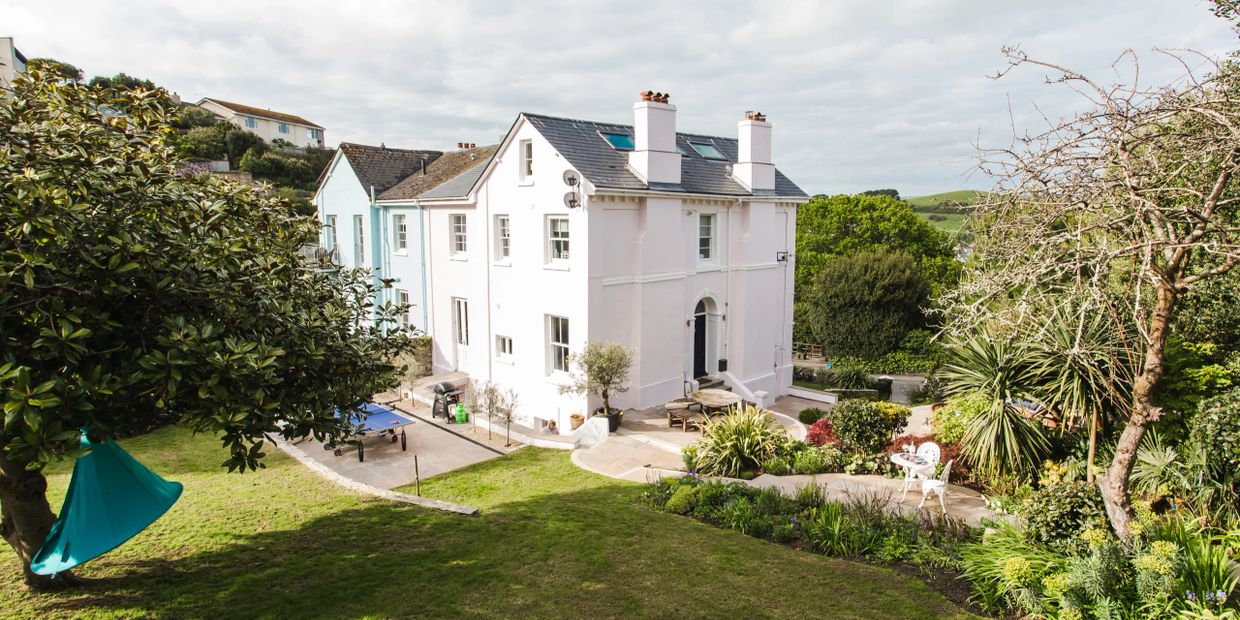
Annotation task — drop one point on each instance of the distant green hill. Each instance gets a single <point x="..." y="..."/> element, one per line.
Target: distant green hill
<point x="959" y="198"/>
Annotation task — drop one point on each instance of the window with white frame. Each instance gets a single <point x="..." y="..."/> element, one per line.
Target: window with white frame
<point x="314" y="133"/>
<point x="503" y="237"/>
<point x="459" y="242"/>
<point x="503" y="347"/>
<point x="557" y="238"/>
<point x="402" y="299"/>
<point x="400" y="239"/>
<point x="706" y="237"/>
<point x="359" y="241"/>
<point x="460" y="320"/>
<point x="329" y="234"/>
<point x="283" y="127"/>
<point x="251" y="122"/>
<point x="557" y="343"/>
<point x="527" y="159"/>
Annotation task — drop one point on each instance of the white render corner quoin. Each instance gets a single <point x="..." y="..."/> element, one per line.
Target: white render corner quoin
<point x="514" y="281"/>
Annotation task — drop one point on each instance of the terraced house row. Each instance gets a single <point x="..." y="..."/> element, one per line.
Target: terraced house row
<point x="512" y="256"/>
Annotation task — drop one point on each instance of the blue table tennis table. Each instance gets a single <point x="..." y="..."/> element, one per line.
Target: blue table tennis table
<point x="377" y="420"/>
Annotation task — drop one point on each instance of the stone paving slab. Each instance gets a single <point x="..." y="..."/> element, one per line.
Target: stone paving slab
<point x="387" y="467"/>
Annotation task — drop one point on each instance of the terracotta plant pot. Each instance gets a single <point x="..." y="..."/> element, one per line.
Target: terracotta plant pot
<point x="576" y="420"/>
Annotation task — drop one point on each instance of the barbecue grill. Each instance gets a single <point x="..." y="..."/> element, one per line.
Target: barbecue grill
<point x="447" y="396"/>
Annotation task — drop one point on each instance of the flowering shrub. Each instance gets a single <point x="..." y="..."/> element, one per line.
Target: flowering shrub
<point x="820" y="433"/>
<point x="1057" y="513"/>
<point x="864" y="427"/>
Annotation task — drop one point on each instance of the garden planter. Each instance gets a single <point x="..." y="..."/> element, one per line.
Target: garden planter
<point x="614" y="417"/>
<point x="576" y="420"/>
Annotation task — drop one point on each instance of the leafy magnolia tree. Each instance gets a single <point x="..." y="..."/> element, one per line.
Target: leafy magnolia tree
<point x="1126" y="207"/>
<point x="863" y="304"/>
<point x="62" y="70"/>
<point x="602" y="370"/>
<point x="131" y="297"/>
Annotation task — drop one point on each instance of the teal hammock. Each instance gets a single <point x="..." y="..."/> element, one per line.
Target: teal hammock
<point x="111" y="498"/>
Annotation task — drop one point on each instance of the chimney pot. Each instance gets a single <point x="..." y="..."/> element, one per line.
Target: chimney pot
<point x="647" y="95"/>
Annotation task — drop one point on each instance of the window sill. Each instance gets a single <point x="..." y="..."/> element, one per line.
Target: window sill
<point x="502" y="263"/>
<point x="459" y="258"/>
<point x="401" y="252"/>
<point x="525" y="183"/>
<point x="706" y="266"/>
<point x="507" y="361"/>
<point x="560" y="265"/>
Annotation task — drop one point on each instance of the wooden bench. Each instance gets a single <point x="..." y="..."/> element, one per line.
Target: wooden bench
<point x="683" y="412"/>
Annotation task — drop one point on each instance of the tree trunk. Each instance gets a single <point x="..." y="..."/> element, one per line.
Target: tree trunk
<point x="26" y="518"/>
<point x="1115" y="484"/>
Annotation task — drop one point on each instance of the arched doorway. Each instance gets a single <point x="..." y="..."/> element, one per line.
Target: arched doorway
<point x="706" y="320"/>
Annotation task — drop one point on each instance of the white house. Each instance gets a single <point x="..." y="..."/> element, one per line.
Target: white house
<point x="677" y="245"/>
<point x="267" y="124"/>
<point x="12" y="61"/>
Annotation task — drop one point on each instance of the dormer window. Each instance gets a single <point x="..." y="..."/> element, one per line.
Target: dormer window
<point x="619" y="141"/>
<point x="709" y="151"/>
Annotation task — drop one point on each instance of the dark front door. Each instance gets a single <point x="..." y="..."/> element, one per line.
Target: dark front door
<point x="699" y="346"/>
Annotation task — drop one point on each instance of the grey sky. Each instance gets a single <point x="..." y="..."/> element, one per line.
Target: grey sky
<point x="863" y="95"/>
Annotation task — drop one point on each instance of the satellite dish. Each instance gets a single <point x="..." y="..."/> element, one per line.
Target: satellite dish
<point x="571" y="178"/>
<point x="572" y="200"/>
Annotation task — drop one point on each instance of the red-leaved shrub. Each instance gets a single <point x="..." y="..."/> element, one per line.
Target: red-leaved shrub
<point x="961" y="472"/>
<point x="820" y="433"/>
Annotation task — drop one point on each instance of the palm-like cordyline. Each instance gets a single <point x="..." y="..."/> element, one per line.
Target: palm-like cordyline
<point x="1001" y="441"/>
<point x="1080" y="371"/>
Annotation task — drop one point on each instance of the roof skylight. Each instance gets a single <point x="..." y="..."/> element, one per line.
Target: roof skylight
<point x="618" y="141"/>
<point x="709" y="151"/>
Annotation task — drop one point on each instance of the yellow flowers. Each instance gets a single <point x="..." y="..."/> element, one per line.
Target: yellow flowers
<point x="1094" y="537"/>
<point x="1164" y="549"/>
<point x="1056" y="584"/>
<point x="1017" y="571"/>
<point x="1151" y="563"/>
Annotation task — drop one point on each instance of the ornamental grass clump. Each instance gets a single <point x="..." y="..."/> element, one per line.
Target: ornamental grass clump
<point x="736" y="443"/>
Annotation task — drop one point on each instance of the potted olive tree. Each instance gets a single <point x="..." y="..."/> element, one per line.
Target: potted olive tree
<point x="602" y="369"/>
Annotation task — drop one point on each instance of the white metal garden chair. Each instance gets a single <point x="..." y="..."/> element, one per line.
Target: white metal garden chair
<point x="937" y="486"/>
<point x="930" y="452"/>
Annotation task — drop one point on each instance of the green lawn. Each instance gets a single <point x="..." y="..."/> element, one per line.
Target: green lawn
<point x="950" y="222"/>
<point x="958" y="197"/>
<point x="551" y="541"/>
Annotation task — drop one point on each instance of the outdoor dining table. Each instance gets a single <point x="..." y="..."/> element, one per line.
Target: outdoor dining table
<point x="908" y="461"/>
<point x="714" y="400"/>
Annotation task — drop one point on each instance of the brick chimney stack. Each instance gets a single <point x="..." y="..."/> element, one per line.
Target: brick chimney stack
<point x="654" y="158"/>
<point x="754" y="168"/>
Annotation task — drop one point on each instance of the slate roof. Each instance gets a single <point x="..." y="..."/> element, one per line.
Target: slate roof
<point x="249" y="110"/>
<point x="444" y="177"/>
<point x="580" y="143"/>
<point x="383" y="167"/>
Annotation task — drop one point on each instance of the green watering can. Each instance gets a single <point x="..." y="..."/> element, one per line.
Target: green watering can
<point x="461" y="415"/>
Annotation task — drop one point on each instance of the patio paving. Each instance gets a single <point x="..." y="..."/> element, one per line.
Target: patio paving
<point x="438" y="450"/>
<point x="645" y="449"/>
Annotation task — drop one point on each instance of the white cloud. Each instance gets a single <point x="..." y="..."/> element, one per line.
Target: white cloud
<point x="863" y="94"/>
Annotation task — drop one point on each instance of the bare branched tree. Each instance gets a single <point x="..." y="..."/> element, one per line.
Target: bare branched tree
<point x="1122" y="209"/>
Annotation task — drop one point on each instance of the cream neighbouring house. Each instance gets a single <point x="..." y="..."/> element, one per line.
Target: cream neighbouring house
<point x="267" y="124"/>
<point x="678" y="245"/>
<point x="12" y="61"/>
